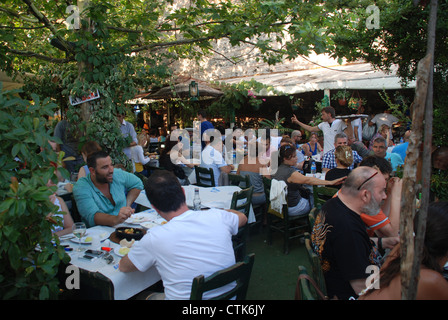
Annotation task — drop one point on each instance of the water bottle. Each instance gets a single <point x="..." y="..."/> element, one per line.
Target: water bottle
<point x="196" y="200"/>
<point x="313" y="167"/>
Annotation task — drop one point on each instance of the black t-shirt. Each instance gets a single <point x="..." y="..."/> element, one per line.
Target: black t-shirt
<point x="340" y="239"/>
<point x="336" y="173"/>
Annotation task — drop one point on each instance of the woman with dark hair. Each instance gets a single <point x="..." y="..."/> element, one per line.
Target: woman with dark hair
<point x="431" y="285"/>
<point x="297" y="205"/>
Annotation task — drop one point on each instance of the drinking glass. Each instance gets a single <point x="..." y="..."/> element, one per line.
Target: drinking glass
<point x="79" y="230"/>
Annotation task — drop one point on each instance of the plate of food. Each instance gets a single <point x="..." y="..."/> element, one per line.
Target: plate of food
<point x="138" y="218"/>
<point x="121" y="251"/>
<point x="129" y="233"/>
<point x="88" y="238"/>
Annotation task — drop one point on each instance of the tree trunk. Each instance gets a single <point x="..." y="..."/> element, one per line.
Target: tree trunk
<point x="411" y="255"/>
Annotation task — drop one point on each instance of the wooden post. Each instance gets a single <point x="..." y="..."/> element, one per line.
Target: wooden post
<point x="412" y="251"/>
<point x="410" y="187"/>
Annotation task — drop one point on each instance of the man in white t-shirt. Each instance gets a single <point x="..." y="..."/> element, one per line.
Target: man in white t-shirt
<point x="211" y="157"/>
<point x="384" y="118"/>
<point x="192" y="243"/>
<point x="330" y="127"/>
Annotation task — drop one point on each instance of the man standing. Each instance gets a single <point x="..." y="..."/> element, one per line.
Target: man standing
<point x="192" y="243"/>
<point x="105" y="196"/>
<point x="386" y="118"/>
<point x="205" y="125"/>
<point x="127" y="130"/>
<point x="340" y="238"/>
<point x="329" y="160"/>
<point x="380" y="150"/>
<point x="330" y="126"/>
<point x="68" y="135"/>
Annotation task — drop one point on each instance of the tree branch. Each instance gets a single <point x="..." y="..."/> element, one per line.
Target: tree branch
<point x="18" y="16"/>
<point x="38" y="56"/>
<point x="42" y="18"/>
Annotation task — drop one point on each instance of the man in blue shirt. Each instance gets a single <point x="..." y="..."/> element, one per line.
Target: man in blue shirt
<point x="402" y="148"/>
<point x="205" y="125"/>
<point x="127" y="130"/>
<point x="380" y="150"/>
<point x="105" y="195"/>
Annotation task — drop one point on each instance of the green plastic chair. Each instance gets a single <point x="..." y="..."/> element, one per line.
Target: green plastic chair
<point x="306" y="288"/>
<point x="241" y="201"/>
<point x="282" y="222"/>
<point x="239" y="273"/>
<point x="204" y="177"/>
<point x="237" y="179"/>
<point x="316" y="266"/>
<point x="322" y="194"/>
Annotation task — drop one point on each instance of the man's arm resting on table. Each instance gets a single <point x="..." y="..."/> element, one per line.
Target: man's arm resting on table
<point x="105" y="219"/>
<point x="126" y="265"/>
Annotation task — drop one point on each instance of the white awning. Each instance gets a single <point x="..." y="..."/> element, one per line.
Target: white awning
<point x="359" y="76"/>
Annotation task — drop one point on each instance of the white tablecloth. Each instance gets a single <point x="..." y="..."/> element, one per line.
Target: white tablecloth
<point x="211" y="197"/>
<point x="125" y="285"/>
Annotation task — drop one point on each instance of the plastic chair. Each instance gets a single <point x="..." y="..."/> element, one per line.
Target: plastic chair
<point x="205" y="177"/>
<point x="241" y="201"/>
<point x="76" y="216"/>
<point x="312" y="217"/>
<point x="306" y="288"/>
<point x="282" y="222"/>
<point x="322" y="194"/>
<point x="316" y="266"/>
<point x="239" y="273"/>
<point x="236" y="179"/>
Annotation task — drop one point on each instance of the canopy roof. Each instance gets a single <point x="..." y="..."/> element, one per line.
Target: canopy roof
<point x="357" y="76"/>
<point x="181" y="90"/>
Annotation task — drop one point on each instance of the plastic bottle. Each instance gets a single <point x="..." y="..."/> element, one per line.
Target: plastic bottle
<point x="313" y="167"/>
<point x="196" y="200"/>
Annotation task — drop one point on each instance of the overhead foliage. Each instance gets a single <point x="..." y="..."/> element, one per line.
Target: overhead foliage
<point x="401" y="40"/>
<point x="125" y="46"/>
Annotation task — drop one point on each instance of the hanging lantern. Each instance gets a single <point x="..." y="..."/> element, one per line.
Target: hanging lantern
<point x="194" y="91"/>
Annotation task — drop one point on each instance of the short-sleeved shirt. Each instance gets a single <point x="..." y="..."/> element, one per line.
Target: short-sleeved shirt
<point x="330" y="131"/>
<point x="127" y="130"/>
<point x="192" y="244"/>
<point x="212" y="158"/>
<point x="395" y="160"/>
<point x="283" y="173"/>
<point x="340" y="239"/>
<point x="329" y="160"/>
<point x="205" y="125"/>
<point x="90" y="200"/>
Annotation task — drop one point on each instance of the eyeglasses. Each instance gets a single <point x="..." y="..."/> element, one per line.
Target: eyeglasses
<point x="359" y="188"/>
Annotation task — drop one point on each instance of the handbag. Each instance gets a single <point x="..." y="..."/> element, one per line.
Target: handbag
<point x="304" y="192"/>
<point x="298" y="293"/>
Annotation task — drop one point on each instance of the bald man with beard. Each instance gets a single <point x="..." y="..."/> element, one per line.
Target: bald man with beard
<point x="340" y="238"/>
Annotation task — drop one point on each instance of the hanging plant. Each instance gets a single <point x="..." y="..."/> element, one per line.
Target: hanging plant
<point x="356" y="102"/>
<point x="341" y="97"/>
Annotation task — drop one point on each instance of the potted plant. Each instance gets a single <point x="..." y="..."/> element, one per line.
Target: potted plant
<point x="341" y="97"/>
<point x="356" y="103"/>
<point x="296" y="103"/>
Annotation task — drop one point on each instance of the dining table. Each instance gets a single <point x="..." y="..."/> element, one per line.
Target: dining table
<point x="211" y="197"/>
<point x="104" y="239"/>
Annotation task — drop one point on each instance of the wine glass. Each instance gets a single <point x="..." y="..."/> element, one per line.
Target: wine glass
<point x="79" y="230"/>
